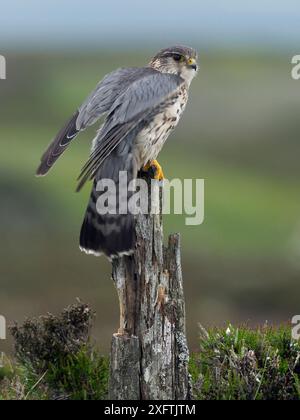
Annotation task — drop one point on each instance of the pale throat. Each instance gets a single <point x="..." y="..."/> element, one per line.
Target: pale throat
<point x="187" y="74"/>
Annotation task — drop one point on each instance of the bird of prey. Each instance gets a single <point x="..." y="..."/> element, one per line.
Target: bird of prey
<point x="141" y="107"/>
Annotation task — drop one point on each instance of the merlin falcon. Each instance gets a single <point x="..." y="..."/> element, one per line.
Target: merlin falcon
<point x="141" y="106"/>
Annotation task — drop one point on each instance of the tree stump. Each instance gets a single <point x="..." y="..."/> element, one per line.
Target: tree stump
<point x="149" y="354"/>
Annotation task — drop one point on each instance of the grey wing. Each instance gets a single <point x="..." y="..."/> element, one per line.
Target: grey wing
<point x="97" y="104"/>
<point x="101" y="99"/>
<point x="142" y="100"/>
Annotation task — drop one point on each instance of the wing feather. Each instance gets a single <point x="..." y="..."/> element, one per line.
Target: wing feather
<point x="58" y="146"/>
<point x="97" y="104"/>
<point x="89" y="170"/>
<point x="142" y="100"/>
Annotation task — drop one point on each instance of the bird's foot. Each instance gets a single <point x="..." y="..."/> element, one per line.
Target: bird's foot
<point x="154" y="169"/>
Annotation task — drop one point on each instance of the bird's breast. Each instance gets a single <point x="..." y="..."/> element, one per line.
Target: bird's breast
<point x="152" y="137"/>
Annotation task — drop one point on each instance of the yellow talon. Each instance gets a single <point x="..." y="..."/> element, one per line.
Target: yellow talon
<point x="154" y="166"/>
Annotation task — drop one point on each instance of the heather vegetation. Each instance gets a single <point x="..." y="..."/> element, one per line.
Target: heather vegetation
<point x="56" y="359"/>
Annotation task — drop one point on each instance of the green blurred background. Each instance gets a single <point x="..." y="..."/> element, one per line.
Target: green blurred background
<point x="240" y="133"/>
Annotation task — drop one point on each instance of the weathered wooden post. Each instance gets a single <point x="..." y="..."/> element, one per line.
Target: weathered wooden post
<point x="149" y="354"/>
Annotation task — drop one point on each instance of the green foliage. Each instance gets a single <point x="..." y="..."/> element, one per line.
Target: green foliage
<point x="245" y="364"/>
<point x="6" y="368"/>
<point x="232" y="364"/>
<point x="18" y="382"/>
<point x="83" y="376"/>
<point x="55" y="359"/>
<point x="48" y="339"/>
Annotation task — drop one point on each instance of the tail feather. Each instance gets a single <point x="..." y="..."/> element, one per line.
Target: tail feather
<point x="109" y="234"/>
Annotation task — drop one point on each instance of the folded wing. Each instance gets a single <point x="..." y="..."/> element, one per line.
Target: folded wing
<point x="136" y="106"/>
<point x="97" y="104"/>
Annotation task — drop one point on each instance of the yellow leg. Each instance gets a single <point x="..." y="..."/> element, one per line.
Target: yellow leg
<point x="156" y="168"/>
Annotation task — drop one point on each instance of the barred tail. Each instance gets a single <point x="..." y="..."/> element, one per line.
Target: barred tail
<point x="109" y="234"/>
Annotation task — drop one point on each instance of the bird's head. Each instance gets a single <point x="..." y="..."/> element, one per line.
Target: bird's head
<point x="178" y="60"/>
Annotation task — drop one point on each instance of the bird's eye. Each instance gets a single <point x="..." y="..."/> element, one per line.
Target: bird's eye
<point x="178" y="57"/>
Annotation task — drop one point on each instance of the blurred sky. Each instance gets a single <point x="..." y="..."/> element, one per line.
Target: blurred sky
<point x="116" y="23"/>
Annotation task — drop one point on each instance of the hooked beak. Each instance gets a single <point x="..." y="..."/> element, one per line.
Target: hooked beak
<point x="192" y="63"/>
